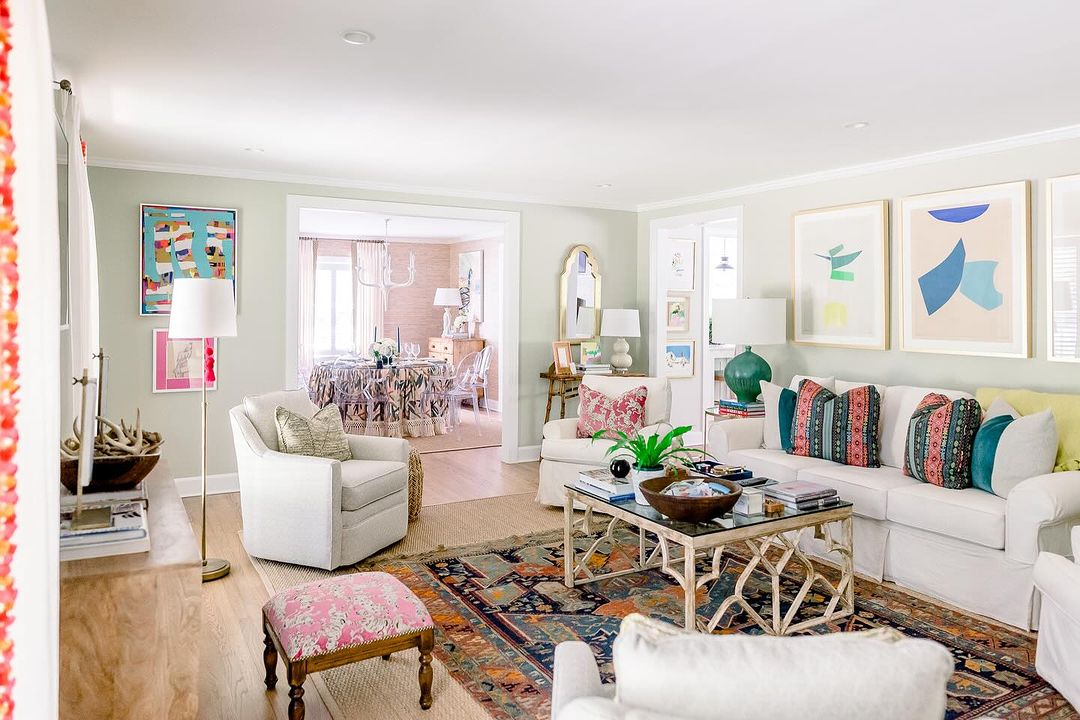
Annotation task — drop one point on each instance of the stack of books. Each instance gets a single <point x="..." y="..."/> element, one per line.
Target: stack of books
<point x="127" y="532"/>
<point x="600" y="368"/>
<point x="802" y="495"/>
<point x="734" y="407"/>
<point x="601" y="482"/>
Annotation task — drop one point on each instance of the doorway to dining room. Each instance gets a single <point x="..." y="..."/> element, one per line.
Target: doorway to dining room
<point x="425" y="283"/>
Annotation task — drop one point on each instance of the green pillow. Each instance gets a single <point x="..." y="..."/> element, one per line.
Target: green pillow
<point x="320" y="436"/>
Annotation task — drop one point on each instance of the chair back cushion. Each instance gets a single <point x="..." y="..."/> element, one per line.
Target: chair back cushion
<point x="658" y="402"/>
<point x="877" y="674"/>
<point x="612" y="415"/>
<point x="261" y="409"/>
<point x="322" y="435"/>
<point x="841" y="428"/>
<point x="941" y="437"/>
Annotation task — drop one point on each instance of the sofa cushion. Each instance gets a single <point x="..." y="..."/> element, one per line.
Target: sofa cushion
<point x="868" y="488"/>
<point x="779" y="410"/>
<point x="897" y="407"/>
<point x="623" y="413"/>
<point x="321" y="435"/>
<point x="366" y="481"/>
<point x="941" y="437"/>
<point x="842" y="428"/>
<point x="775" y="464"/>
<point x="589" y="452"/>
<point x="1009" y="449"/>
<point x="842" y="386"/>
<point x="260" y="411"/>
<point x="658" y="403"/>
<point x="969" y="514"/>
<point x="829" y="383"/>
<point x="1066" y="410"/>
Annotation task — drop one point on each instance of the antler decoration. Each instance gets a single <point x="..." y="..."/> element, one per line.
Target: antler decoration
<point x="115" y="440"/>
<point x="384" y="276"/>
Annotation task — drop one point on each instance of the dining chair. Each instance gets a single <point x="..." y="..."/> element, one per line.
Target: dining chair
<point x="377" y="402"/>
<point x="463" y="388"/>
<point x="480" y="375"/>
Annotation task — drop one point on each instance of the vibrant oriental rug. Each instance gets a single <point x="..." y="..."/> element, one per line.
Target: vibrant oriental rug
<point x="502" y="607"/>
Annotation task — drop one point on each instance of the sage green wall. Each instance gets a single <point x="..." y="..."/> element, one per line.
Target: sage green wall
<point x="254" y="361"/>
<point x="767" y="270"/>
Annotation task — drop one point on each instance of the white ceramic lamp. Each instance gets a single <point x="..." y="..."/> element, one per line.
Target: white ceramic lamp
<point x="204" y="308"/>
<point x="447" y="298"/>
<point x="748" y="322"/>
<point x="620" y="324"/>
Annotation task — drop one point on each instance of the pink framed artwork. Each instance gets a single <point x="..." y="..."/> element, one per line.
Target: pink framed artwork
<point x="178" y="362"/>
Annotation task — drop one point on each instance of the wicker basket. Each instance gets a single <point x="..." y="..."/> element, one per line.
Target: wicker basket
<point x="416" y="484"/>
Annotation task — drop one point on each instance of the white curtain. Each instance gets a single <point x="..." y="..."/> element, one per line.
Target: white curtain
<point x="82" y="252"/>
<point x="369" y="302"/>
<point x="309" y="253"/>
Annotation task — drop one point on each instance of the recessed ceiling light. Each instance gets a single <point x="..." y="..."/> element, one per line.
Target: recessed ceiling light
<point x="857" y="125"/>
<point x="603" y="186"/>
<point x="255" y="149"/>
<point x="358" y="37"/>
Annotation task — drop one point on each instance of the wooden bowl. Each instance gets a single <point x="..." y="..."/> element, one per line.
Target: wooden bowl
<point x="122" y="472"/>
<point x="690" y="509"/>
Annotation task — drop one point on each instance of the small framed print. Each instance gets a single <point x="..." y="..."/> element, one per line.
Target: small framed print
<point x="178" y="362"/>
<point x="678" y="314"/>
<point x="679" y="359"/>
<point x="590" y="353"/>
<point x="680" y="264"/>
<point x="564" y="358"/>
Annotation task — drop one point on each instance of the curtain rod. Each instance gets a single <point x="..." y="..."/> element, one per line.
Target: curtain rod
<point x="376" y="241"/>
<point x="64" y="85"/>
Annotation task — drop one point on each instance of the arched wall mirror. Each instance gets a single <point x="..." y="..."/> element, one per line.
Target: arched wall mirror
<point x="579" y="296"/>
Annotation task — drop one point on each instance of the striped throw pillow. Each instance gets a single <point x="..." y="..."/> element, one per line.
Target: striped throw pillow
<point x="941" y="439"/>
<point x="842" y="428"/>
<point x="320" y="436"/>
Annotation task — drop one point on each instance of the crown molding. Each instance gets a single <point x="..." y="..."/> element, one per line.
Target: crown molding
<point x="340" y="182"/>
<point x="1070" y="132"/>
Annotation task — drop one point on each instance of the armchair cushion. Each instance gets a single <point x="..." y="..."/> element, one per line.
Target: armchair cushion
<point x="260" y="411"/>
<point x="322" y="435"/>
<point x="658" y="403"/>
<point x="612" y="414"/>
<point x="366" y="481"/>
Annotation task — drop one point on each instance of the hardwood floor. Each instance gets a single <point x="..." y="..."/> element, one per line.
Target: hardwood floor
<point x="231" y="677"/>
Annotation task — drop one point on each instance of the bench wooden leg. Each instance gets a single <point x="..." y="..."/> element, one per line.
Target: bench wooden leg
<point x="269" y="660"/>
<point x="427" y="644"/>
<point x="297" y="674"/>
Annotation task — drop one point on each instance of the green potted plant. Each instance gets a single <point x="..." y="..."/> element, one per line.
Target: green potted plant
<point x="651" y="455"/>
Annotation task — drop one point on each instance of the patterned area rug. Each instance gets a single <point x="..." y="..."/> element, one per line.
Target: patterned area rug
<point x="502" y="607"/>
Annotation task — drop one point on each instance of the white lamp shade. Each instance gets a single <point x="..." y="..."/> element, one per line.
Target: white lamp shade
<point x="620" y="323"/>
<point x="750" y="321"/>
<point x="447" y="297"/>
<point x="202" y="308"/>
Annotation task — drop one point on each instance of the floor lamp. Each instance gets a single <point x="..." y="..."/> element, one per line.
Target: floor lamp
<point x="204" y="308"/>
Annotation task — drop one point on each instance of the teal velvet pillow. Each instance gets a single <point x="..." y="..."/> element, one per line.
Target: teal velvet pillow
<point x="786" y="411"/>
<point x="986" y="445"/>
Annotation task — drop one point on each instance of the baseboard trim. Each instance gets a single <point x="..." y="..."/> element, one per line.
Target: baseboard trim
<point x="215" y="484"/>
<point x="528" y="453"/>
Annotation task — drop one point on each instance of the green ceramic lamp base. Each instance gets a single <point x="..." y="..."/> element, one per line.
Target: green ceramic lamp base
<point x="744" y="373"/>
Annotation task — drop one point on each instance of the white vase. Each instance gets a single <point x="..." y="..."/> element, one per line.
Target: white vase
<point x="637" y="476"/>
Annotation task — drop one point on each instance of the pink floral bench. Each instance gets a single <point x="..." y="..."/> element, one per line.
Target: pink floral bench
<point x="341" y="620"/>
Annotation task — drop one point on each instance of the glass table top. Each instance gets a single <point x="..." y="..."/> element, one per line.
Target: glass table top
<point x="727" y="522"/>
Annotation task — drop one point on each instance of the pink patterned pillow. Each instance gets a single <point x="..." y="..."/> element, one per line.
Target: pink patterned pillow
<point x="600" y="412"/>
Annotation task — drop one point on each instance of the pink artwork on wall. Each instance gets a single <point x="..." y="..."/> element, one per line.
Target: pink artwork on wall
<point x="179" y="362"/>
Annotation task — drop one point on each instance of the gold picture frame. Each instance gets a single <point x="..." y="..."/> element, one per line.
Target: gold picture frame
<point x="563" y="356"/>
<point x="677" y="313"/>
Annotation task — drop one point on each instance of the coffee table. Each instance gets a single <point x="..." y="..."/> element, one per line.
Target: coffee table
<point x="757" y="533"/>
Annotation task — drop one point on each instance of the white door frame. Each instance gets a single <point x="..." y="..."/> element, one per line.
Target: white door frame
<point x="509" y="386"/>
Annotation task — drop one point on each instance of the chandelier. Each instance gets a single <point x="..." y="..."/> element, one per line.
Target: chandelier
<point x="383" y="275"/>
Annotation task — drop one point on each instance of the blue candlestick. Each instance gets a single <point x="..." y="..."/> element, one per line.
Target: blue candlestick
<point x="399" y="337"/>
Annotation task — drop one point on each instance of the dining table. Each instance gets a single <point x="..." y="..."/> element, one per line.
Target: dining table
<point x="405" y="398"/>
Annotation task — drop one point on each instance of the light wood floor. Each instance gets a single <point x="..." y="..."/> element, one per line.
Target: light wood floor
<point x="230" y="685"/>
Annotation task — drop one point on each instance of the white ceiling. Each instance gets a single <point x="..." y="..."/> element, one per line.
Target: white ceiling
<point x="350" y="223"/>
<point x="545" y="99"/>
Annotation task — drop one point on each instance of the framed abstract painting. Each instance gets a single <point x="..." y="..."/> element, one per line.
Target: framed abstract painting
<point x="965" y="280"/>
<point x="840" y="275"/>
<point x="678" y="315"/>
<point x="180" y="241"/>
<point x="1063" y="269"/>
<point x="178" y="363"/>
<point x="471" y="284"/>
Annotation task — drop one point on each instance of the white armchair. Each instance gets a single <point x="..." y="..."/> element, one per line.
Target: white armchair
<point x="665" y="672"/>
<point x="563" y="454"/>
<point x="1057" y="655"/>
<point x="316" y="511"/>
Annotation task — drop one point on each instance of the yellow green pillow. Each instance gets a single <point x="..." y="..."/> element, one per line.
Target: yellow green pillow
<point x="1066" y="410"/>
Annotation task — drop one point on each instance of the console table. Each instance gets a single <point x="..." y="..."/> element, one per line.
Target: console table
<point x="565" y="387"/>
<point x="130" y="624"/>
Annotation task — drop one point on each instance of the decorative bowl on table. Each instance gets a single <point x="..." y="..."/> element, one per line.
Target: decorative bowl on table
<point x="111" y="472"/>
<point x="690" y="509"/>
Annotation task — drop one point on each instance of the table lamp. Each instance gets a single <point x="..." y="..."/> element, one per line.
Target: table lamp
<point x="447" y="298"/>
<point x="204" y="308"/>
<point x="620" y="324"/>
<point x="748" y="322"/>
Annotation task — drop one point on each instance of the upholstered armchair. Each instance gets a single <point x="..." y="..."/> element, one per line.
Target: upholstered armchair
<point x="316" y="511"/>
<point x="1057" y="655"/>
<point x="665" y="672"/>
<point x="563" y="454"/>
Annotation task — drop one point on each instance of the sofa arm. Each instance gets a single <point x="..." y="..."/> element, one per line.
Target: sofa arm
<point x="726" y="436"/>
<point x="1059" y="579"/>
<point x="1039" y="515"/>
<point x="565" y="429"/>
<point x="575" y="676"/>
<point x="378" y="448"/>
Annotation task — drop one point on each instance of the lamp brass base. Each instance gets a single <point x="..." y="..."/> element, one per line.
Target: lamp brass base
<point x="214" y="568"/>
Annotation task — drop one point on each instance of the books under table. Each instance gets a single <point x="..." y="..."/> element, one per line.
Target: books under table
<point x="603" y="482"/>
<point x="126" y="533"/>
<point x="802" y="494"/>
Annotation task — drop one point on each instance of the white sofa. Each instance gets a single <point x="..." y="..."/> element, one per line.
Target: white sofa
<point x="1057" y="656"/>
<point x="967" y="547"/>
<point x="563" y="454"/>
<point x="664" y="672"/>
<point x="316" y="511"/>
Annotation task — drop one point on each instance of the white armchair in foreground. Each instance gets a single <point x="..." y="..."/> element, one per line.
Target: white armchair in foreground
<point x="1057" y="655"/>
<point x="316" y="511"/>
